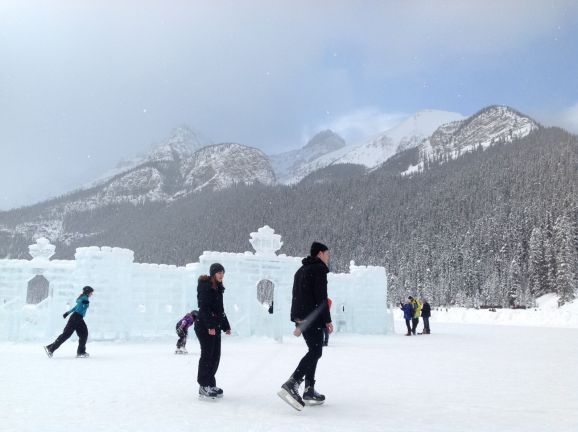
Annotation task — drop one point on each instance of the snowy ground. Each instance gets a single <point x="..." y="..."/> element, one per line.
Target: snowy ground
<point x="460" y="378"/>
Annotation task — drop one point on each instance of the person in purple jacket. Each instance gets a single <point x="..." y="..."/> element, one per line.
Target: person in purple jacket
<point x="182" y="329"/>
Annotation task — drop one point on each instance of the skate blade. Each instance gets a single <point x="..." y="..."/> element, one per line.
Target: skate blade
<point x="48" y="353"/>
<point x="207" y="398"/>
<point x="313" y="403"/>
<point x="283" y="394"/>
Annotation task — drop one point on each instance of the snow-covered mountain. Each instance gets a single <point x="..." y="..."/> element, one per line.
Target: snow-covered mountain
<point x="223" y="165"/>
<point x="408" y="134"/>
<point x="371" y="152"/>
<point x="181" y="144"/>
<point x="299" y="163"/>
<point x="491" y="125"/>
<point x="171" y="171"/>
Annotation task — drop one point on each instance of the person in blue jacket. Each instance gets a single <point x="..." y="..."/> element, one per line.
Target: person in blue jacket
<point x="75" y="324"/>
<point x="407" y="309"/>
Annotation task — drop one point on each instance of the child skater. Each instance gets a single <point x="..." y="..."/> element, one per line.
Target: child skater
<point x="75" y="324"/>
<point x="183" y="331"/>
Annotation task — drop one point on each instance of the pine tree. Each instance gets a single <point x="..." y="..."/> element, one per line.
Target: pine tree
<point x="537" y="273"/>
<point x="566" y="261"/>
<point x="550" y="255"/>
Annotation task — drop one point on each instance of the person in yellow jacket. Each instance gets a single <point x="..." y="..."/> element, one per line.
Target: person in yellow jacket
<point x="416" y="305"/>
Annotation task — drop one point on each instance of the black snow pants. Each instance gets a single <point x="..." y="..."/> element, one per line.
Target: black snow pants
<point x="408" y="325"/>
<point x="414" y="322"/>
<point x="210" y="356"/>
<point x="75" y="324"/>
<point x="306" y="369"/>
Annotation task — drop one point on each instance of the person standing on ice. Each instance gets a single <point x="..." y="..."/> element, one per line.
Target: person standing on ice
<point x="75" y="324"/>
<point x="182" y="329"/>
<point x="416" y="314"/>
<point x="425" y="315"/>
<point x="407" y="309"/>
<point x="208" y="326"/>
<point x="310" y="313"/>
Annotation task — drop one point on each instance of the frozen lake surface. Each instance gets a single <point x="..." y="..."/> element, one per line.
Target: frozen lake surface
<point x="460" y="378"/>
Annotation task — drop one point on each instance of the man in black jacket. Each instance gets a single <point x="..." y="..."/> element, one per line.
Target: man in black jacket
<point x="310" y="313"/>
<point x="425" y="314"/>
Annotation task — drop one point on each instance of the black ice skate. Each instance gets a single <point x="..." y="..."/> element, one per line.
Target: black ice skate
<point x="48" y="352"/>
<point x="311" y="397"/>
<point x="290" y="393"/>
<point x="207" y="392"/>
<point x="219" y="391"/>
<point x="83" y="355"/>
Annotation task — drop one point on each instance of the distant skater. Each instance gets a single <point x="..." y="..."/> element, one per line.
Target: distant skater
<point x="208" y="326"/>
<point x="182" y="329"/>
<point x="407" y="309"/>
<point x="425" y="315"/>
<point x="75" y="324"/>
<point x="310" y="313"/>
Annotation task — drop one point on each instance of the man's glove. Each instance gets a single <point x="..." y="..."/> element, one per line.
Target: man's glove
<point x="65" y="314"/>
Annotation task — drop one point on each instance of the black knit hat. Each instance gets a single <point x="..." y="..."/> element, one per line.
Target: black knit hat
<point x="216" y="268"/>
<point x="87" y="290"/>
<point x="317" y="247"/>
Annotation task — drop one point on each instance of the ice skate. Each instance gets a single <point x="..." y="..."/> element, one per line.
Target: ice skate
<point x="48" y="352"/>
<point x="83" y="355"/>
<point x="218" y="391"/>
<point x="207" y="393"/>
<point x="290" y="394"/>
<point x="311" y="397"/>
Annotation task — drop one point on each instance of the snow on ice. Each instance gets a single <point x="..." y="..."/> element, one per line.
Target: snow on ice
<point x="460" y="378"/>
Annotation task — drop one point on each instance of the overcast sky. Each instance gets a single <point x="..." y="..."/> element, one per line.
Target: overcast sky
<point x="84" y="84"/>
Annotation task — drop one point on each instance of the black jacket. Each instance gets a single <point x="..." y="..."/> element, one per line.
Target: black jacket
<point x="426" y="310"/>
<point x="211" y="310"/>
<point x="310" y="293"/>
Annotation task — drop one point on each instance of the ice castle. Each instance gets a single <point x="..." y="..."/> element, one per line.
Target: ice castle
<point x="143" y="301"/>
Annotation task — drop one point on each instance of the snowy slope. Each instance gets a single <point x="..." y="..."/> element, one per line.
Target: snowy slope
<point x="221" y="166"/>
<point x="460" y="378"/>
<point x="489" y="126"/>
<point x="181" y="144"/>
<point x="170" y="172"/>
<point x="377" y="149"/>
<point x="408" y="134"/>
<point x="290" y="164"/>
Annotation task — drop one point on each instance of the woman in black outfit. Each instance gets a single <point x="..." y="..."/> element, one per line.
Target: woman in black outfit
<point x="208" y="326"/>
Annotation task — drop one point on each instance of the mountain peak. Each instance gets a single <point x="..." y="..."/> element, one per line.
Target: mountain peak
<point x="414" y="129"/>
<point x="490" y="125"/>
<point x="326" y="140"/>
<point x="181" y="144"/>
